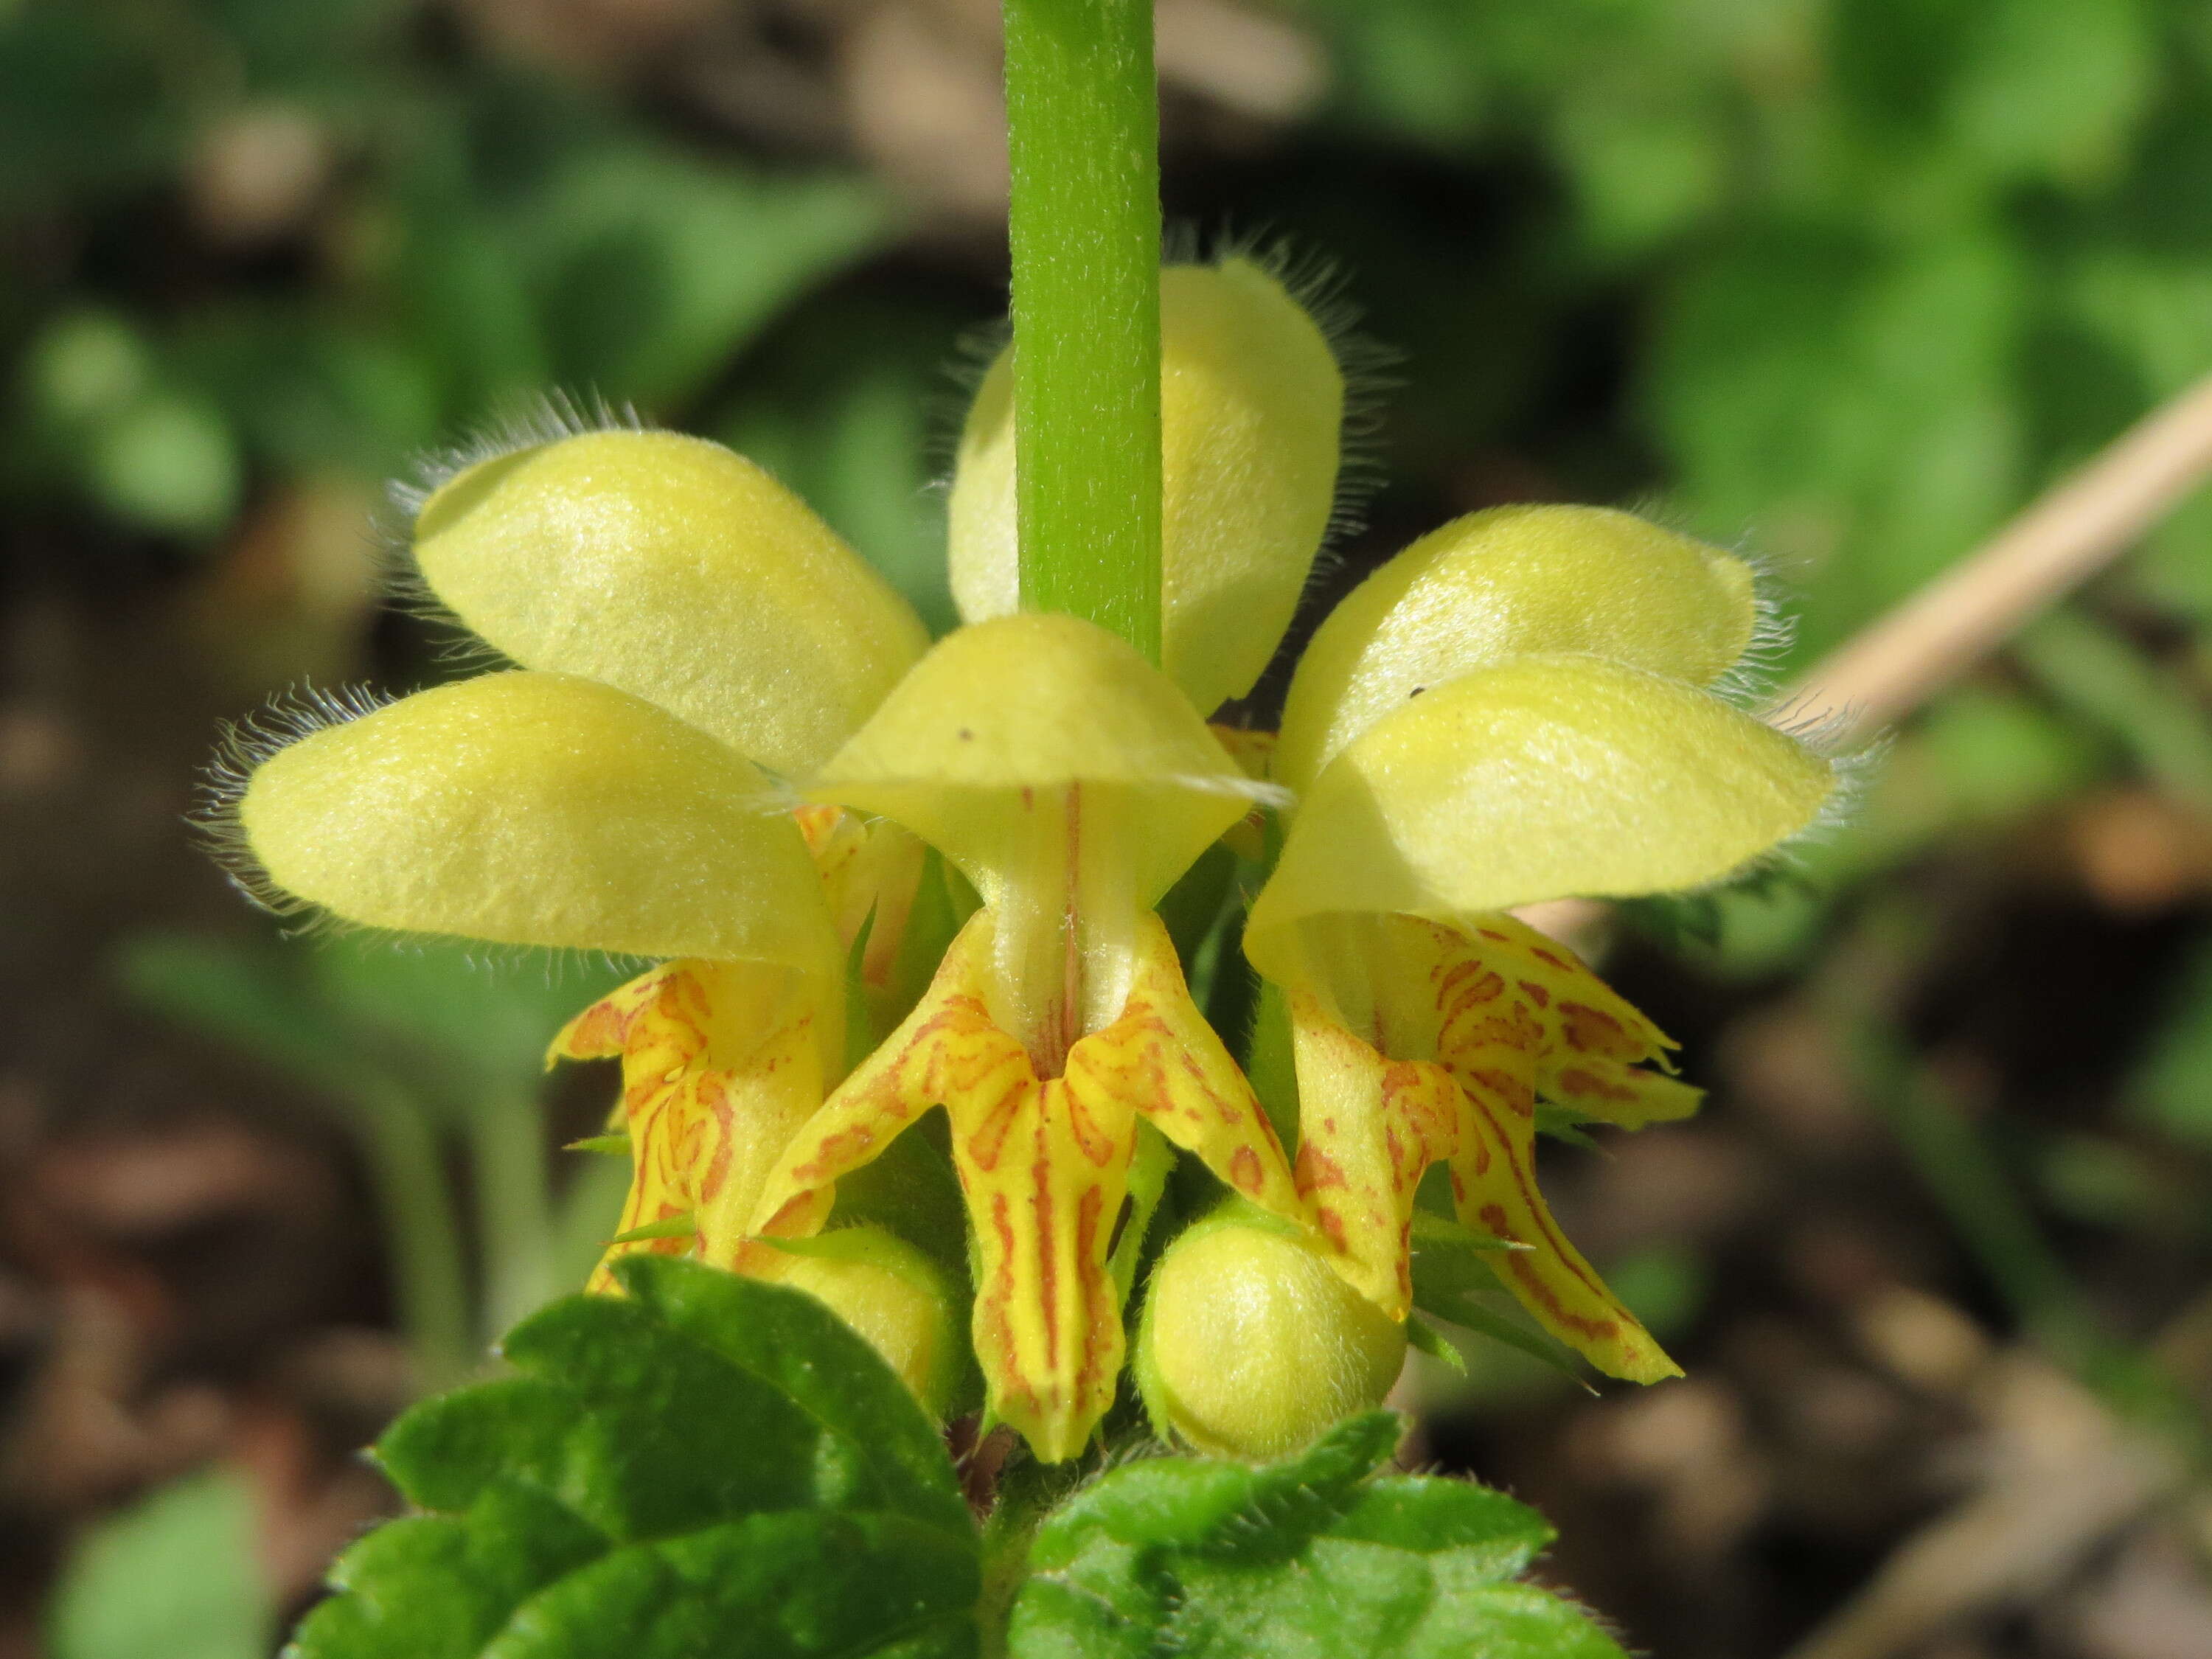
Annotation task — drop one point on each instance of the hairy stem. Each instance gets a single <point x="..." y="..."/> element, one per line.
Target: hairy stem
<point x="1082" y="139"/>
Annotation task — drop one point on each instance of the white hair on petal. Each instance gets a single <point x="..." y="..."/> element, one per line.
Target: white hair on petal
<point x="1317" y="284"/>
<point x="242" y="747"/>
<point x="245" y="745"/>
<point x="1749" y="682"/>
<point x="546" y="418"/>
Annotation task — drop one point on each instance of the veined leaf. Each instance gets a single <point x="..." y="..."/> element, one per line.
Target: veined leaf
<point x="706" y="1464"/>
<point x="1312" y="1558"/>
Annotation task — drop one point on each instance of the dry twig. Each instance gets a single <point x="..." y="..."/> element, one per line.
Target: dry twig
<point x="2063" y="537"/>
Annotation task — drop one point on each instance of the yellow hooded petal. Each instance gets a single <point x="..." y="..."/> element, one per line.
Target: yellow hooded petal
<point x="980" y="744"/>
<point x="540" y="809"/>
<point x="1514" y="581"/>
<point x="669" y="567"/>
<point x="1541" y="777"/>
<point x="1251" y="409"/>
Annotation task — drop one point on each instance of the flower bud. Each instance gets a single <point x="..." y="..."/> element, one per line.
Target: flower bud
<point x="1252" y="1344"/>
<point x="887" y="1290"/>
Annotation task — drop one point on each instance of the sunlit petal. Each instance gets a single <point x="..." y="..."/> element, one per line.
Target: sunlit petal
<point x="540" y="809"/>
<point x="1251" y="409"/>
<point x="1514" y="581"/>
<point x="1002" y="717"/>
<point x="672" y="569"/>
<point x="1541" y="778"/>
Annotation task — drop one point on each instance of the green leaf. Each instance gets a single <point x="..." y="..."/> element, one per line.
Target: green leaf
<point x="171" y="1578"/>
<point x="789" y="1339"/>
<point x="1539" y="1345"/>
<point x="709" y="1464"/>
<point x="613" y="1146"/>
<point x="438" y="1587"/>
<point x="669" y="1436"/>
<point x="1452" y="1279"/>
<point x="649" y="269"/>
<point x="1564" y="1123"/>
<point x="1424" y="1338"/>
<point x="769" y="1586"/>
<point x="1313" y="1558"/>
<point x="451" y="1449"/>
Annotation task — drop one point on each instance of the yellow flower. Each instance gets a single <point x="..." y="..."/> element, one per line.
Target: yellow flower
<point x="1519" y="707"/>
<point x="727" y="742"/>
<point x="679" y="618"/>
<point x="681" y="622"/>
<point x="1073" y="783"/>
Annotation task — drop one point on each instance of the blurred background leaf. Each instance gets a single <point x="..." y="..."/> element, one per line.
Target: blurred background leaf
<point x="173" y="1577"/>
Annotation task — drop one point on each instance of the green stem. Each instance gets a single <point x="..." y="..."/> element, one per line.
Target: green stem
<point x="1082" y="139"/>
<point x="515" y="1209"/>
<point x="1027" y="1493"/>
<point x="408" y="1174"/>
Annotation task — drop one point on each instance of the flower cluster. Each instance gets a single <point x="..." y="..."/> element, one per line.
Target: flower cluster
<point x="882" y="877"/>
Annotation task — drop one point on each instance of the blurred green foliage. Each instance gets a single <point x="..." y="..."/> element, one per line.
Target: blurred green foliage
<point x="1896" y="262"/>
<point x="363" y="240"/>
<point x="423" y="1051"/>
<point x="173" y="1577"/>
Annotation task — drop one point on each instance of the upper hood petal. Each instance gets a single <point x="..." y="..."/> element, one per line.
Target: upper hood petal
<point x="1000" y="713"/>
<point x="671" y="567"/>
<point x="1251" y="413"/>
<point x="1514" y="581"/>
<point x="540" y="809"/>
<point x="1541" y="777"/>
